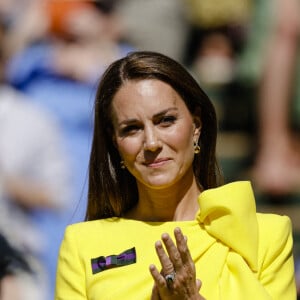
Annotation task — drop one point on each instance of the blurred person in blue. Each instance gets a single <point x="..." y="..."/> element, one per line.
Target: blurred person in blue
<point x="59" y="69"/>
<point x="34" y="178"/>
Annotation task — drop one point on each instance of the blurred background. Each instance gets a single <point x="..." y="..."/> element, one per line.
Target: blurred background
<point x="245" y="55"/>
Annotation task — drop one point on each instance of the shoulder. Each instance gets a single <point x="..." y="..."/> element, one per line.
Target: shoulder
<point x="275" y="241"/>
<point x="273" y="228"/>
<point x="84" y="227"/>
<point x="81" y="236"/>
<point x="265" y="220"/>
<point x="88" y="239"/>
<point x="275" y="254"/>
<point x="229" y="211"/>
<point x="87" y="229"/>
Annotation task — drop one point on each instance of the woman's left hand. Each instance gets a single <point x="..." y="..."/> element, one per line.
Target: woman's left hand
<point x="177" y="279"/>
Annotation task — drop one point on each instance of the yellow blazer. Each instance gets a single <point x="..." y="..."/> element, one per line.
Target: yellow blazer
<point x="239" y="254"/>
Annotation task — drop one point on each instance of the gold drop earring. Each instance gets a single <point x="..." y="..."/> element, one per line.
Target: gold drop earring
<point x="122" y="164"/>
<point x="196" y="148"/>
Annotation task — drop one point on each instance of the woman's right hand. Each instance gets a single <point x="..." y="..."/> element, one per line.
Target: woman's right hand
<point x="177" y="264"/>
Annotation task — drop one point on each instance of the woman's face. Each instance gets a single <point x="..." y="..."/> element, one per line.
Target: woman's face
<point x="154" y="133"/>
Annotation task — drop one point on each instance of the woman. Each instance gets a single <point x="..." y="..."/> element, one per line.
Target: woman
<point x="153" y="174"/>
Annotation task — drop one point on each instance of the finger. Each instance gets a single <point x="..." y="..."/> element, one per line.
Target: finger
<point x="159" y="280"/>
<point x="155" y="294"/>
<point x="166" y="263"/>
<point x="173" y="252"/>
<point x="198" y="284"/>
<point x="182" y="247"/>
<point x="160" y="289"/>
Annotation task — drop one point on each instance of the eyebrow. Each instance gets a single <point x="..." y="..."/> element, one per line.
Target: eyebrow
<point x="158" y="115"/>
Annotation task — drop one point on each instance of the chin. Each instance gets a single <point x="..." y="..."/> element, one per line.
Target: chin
<point x="159" y="184"/>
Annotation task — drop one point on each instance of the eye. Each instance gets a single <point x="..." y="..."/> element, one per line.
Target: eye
<point x="129" y="130"/>
<point x="167" y="120"/>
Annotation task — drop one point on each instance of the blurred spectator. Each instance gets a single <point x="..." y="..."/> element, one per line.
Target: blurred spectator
<point x="277" y="167"/>
<point x="209" y="18"/>
<point x="155" y="25"/>
<point x="88" y="33"/>
<point x="217" y="37"/>
<point x="34" y="176"/>
<point x="18" y="280"/>
<point x="20" y="18"/>
<point x="58" y="70"/>
<point x="276" y="171"/>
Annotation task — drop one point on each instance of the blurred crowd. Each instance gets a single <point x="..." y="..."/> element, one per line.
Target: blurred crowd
<point x="245" y="54"/>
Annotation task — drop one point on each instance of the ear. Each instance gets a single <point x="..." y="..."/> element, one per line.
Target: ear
<point x="198" y="126"/>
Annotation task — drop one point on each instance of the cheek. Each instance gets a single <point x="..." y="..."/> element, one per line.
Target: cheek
<point x="183" y="138"/>
<point x="128" y="149"/>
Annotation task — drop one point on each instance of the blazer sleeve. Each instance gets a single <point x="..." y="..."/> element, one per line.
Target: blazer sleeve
<point x="70" y="277"/>
<point x="276" y="256"/>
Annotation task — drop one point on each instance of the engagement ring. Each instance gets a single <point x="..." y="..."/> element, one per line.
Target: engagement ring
<point x="170" y="278"/>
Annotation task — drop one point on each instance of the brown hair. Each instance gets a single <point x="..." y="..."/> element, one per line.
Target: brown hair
<point x="112" y="190"/>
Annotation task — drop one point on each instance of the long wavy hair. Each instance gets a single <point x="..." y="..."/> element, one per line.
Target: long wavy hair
<point x="112" y="190"/>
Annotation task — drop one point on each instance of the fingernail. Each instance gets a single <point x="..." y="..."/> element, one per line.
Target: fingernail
<point x="158" y="244"/>
<point x="164" y="236"/>
<point x="177" y="230"/>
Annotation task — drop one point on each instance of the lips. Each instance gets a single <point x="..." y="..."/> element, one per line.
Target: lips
<point x="157" y="163"/>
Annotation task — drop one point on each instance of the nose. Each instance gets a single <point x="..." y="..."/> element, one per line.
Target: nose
<point x="151" y="140"/>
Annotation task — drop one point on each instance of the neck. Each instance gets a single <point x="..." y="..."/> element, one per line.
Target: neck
<point x="175" y="203"/>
